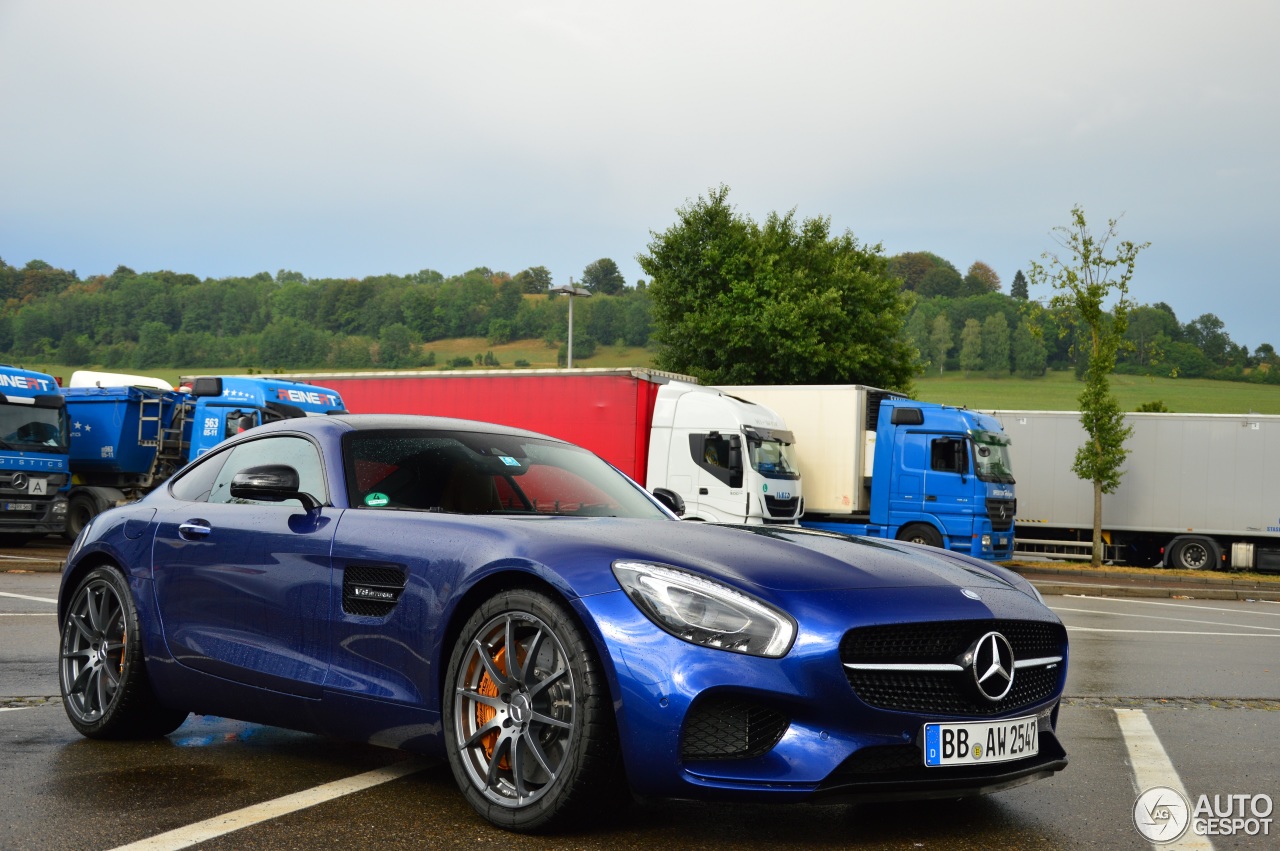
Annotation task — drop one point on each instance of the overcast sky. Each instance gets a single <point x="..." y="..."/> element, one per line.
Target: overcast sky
<point x="359" y="138"/>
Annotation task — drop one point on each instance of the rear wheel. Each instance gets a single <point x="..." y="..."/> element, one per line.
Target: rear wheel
<point x="80" y="510"/>
<point x="531" y="734"/>
<point x="102" y="672"/>
<point x="920" y="533"/>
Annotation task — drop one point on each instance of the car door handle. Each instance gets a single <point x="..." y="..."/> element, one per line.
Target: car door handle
<point x="702" y="491"/>
<point x="930" y="498"/>
<point x="194" y="530"/>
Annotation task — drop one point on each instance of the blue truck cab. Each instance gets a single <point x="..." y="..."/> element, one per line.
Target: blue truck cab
<point x="128" y="439"/>
<point x="940" y="476"/>
<point x="33" y="456"/>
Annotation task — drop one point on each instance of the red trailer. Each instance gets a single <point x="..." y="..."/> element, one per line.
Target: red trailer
<point x="608" y="411"/>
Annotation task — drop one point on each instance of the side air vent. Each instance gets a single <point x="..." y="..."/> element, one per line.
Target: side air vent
<point x="371" y="591"/>
<point x="731" y="727"/>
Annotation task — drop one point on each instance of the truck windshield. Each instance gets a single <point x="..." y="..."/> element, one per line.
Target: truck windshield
<point x="991" y="457"/>
<point x="34" y="429"/>
<point x="773" y="459"/>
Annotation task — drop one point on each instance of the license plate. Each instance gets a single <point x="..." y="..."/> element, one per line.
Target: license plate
<point x="980" y="742"/>
<point x="19" y="506"/>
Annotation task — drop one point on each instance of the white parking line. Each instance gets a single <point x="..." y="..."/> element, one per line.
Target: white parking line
<point x="1172" y="632"/>
<point x="1173" y="605"/>
<point x="1166" y="618"/>
<point x="203" y="831"/>
<point x="25" y="597"/>
<point x="1152" y="767"/>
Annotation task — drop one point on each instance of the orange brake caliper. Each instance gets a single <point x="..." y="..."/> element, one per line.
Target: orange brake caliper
<point x="485" y="713"/>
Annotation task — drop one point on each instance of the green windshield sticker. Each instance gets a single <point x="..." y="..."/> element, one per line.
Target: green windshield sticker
<point x="376" y="500"/>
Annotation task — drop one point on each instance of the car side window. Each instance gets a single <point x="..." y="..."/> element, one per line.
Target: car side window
<point x="296" y="452"/>
<point x="196" y="482"/>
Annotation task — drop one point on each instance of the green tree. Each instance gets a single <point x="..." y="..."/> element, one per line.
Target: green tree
<point x="1084" y="280"/>
<point x="395" y="346"/>
<point x="995" y="344"/>
<point x="602" y="277"/>
<point x="535" y="279"/>
<point x="980" y="279"/>
<point x="971" y="345"/>
<point x="1029" y="354"/>
<point x="1018" y="289"/>
<point x="784" y="303"/>
<point x="940" y="340"/>
<point x="941" y="280"/>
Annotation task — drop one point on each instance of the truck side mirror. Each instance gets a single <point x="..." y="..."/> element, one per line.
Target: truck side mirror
<point x="671" y="500"/>
<point x="271" y="483"/>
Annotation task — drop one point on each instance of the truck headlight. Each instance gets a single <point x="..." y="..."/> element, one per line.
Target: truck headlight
<point x="986" y="542"/>
<point x="705" y="612"/>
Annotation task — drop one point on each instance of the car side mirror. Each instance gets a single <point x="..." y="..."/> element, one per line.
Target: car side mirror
<point x="671" y="500"/>
<point x="271" y="483"/>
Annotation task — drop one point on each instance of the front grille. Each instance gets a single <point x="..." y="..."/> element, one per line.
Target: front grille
<point x="371" y="591"/>
<point x="782" y="507"/>
<point x="1001" y="513"/>
<point x="949" y="692"/>
<point x="731" y="727"/>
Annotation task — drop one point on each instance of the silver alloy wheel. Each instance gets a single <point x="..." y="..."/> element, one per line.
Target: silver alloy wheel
<point x="514" y="723"/>
<point x="93" y="646"/>
<point x="1193" y="555"/>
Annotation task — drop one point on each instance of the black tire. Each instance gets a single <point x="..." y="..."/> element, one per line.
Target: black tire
<point x="536" y="748"/>
<point x="920" y="533"/>
<point x="102" y="671"/>
<point x="80" y="510"/>
<point x="1193" y="554"/>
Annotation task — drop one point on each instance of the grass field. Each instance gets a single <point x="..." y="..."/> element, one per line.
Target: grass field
<point x="1057" y="391"/>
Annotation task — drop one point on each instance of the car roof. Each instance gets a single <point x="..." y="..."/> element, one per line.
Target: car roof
<point x="394" y="422"/>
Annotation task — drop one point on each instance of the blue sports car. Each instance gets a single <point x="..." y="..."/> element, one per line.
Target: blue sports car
<point x="516" y="605"/>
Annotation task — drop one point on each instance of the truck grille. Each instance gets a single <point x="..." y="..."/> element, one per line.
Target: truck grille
<point x="781" y="507"/>
<point x="949" y="692"/>
<point x="1001" y="512"/>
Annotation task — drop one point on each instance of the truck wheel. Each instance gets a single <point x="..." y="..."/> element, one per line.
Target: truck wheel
<point x="529" y="722"/>
<point x="1193" y="554"/>
<point x="920" y="533"/>
<point x="102" y="671"/>
<point x="80" y="510"/>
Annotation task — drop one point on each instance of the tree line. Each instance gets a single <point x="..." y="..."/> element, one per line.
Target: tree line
<point x="166" y="319"/>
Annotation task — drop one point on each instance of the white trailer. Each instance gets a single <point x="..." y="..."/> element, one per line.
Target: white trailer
<point x="1198" y="490"/>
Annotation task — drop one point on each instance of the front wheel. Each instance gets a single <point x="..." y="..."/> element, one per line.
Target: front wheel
<point x="531" y="735"/>
<point x="102" y="671"/>
<point x="920" y="533"/>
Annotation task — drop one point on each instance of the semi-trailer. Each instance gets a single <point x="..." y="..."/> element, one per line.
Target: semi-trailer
<point x="1197" y="490"/>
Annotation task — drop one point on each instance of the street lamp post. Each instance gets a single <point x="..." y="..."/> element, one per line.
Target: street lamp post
<point x="570" y="290"/>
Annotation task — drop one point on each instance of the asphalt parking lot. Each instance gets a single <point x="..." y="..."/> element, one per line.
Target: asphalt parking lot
<point x="1163" y="690"/>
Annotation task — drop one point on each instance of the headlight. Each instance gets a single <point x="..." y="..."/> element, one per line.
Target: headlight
<point x="704" y="612"/>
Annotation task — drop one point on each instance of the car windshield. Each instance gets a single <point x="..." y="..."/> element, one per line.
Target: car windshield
<point x="32" y="428"/>
<point x="991" y="457"/>
<point x="773" y="459"/>
<point x="463" y="472"/>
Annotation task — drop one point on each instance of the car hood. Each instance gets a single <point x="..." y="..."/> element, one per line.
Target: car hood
<point x="779" y="558"/>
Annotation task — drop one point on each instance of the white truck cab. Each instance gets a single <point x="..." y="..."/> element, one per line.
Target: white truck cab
<point x="731" y="460"/>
